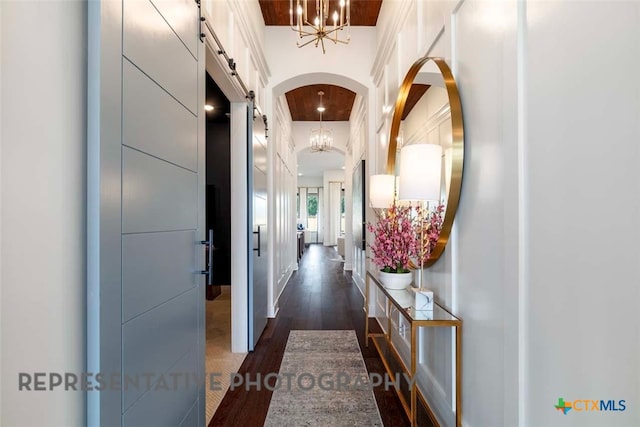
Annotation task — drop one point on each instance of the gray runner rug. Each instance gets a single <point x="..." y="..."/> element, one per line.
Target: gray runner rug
<point x="323" y="381"/>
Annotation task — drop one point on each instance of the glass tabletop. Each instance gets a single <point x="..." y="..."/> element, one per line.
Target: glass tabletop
<point x="403" y="300"/>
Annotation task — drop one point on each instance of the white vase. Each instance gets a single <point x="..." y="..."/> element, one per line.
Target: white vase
<point x="395" y="280"/>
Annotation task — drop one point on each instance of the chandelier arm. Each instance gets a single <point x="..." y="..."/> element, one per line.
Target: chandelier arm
<point x="308" y="42"/>
<point x="304" y="33"/>
<point x="338" y="41"/>
<point x="334" y="30"/>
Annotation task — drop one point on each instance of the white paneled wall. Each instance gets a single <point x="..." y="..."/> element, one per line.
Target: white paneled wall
<point x="240" y="27"/>
<point x="485" y="342"/>
<point x="283" y="198"/>
<point x="545" y="146"/>
<point x="358" y="151"/>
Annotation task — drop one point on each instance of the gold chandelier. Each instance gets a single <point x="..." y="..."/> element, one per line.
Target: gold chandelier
<point x="320" y="138"/>
<point x="318" y="30"/>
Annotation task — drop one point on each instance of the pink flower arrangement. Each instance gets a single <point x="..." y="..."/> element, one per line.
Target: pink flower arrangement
<point x="394" y="240"/>
<point x="398" y="235"/>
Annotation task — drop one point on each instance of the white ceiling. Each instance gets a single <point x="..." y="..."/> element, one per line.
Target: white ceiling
<point x="315" y="163"/>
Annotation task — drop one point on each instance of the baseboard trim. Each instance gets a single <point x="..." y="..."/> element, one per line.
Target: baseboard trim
<point x="273" y="313"/>
<point x="435" y="397"/>
<point x="355" y="282"/>
<point x="276" y="303"/>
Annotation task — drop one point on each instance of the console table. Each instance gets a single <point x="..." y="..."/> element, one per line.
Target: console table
<point x="439" y="317"/>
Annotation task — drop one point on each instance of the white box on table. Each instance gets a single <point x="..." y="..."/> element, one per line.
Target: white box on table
<point x="422" y="299"/>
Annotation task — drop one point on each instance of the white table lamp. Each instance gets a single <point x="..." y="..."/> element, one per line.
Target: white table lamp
<point x="420" y="172"/>
<point x="381" y="190"/>
<point x="420" y="175"/>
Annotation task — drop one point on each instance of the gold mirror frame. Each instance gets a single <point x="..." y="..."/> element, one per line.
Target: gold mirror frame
<point x="457" y="156"/>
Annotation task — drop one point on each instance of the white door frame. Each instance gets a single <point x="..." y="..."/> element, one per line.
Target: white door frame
<point x="219" y="71"/>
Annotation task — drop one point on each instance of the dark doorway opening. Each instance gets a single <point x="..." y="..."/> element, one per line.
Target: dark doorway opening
<point x="218" y="204"/>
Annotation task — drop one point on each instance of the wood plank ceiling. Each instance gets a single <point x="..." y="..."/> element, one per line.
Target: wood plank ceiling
<point x="304" y="101"/>
<point x="415" y="93"/>
<point x="363" y="12"/>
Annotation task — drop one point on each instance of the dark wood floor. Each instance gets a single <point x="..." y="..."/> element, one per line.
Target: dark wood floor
<point x="320" y="295"/>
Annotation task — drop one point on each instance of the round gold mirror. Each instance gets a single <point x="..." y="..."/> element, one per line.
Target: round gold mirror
<point x="428" y="111"/>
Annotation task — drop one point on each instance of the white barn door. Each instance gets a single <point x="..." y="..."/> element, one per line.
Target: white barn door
<point x="145" y="317"/>
<point x="259" y="264"/>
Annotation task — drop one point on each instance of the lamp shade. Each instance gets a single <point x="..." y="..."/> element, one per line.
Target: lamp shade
<point x="420" y="172"/>
<point x="381" y="190"/>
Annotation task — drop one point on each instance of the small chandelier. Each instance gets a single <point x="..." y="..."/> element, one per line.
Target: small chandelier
<point x="319" y="30"/>
<point x="321" y="139"/>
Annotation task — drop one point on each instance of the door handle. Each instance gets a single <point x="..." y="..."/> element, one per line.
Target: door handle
<point x="258" y="233"/>
<point x="209" y="271"/>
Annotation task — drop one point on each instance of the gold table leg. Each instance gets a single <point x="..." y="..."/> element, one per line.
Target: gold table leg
<point x="414" y="386"/>
<point x="366" y="311"/>
<point x="459" y="376"/>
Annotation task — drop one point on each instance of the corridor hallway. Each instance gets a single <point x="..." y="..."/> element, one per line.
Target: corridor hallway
<point x="319" y="296"/>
